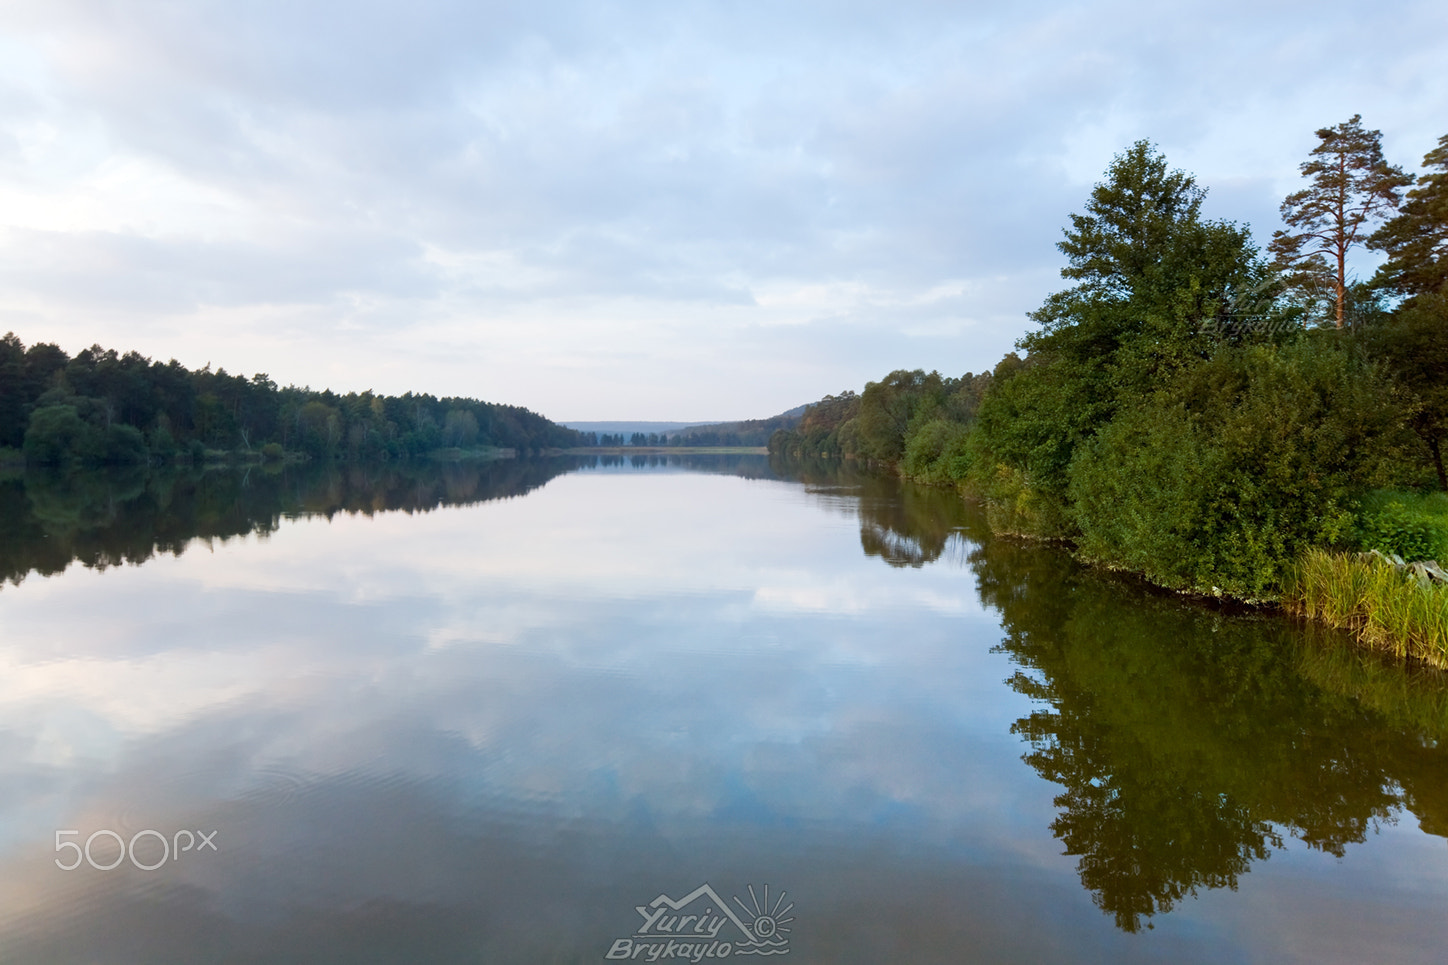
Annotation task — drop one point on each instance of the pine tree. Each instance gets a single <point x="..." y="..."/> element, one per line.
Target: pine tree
<point x="1416" y="240"/>
<point x="1352" y="186"/>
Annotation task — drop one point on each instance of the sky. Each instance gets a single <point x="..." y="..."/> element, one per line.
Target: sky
<point x="677" y="210"/>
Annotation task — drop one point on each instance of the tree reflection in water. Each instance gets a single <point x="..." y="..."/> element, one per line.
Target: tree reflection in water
<point x="101" y="518"/>
<point x="1189" y="741"/>
<point x="106" y="518"/>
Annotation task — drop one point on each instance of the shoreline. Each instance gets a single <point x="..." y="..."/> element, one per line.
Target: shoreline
<point x="1385" y="608"/>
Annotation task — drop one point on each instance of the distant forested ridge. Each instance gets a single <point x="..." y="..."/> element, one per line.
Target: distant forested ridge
<point x="1190" y="408"/>
<point x="742" y="434"/>
<point x="101" y="407"/>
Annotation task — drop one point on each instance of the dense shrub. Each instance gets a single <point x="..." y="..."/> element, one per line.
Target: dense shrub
<point x="1224" y="478"/>
<point x="936" y="453"/>
<point x="124" y="445"/>
<point x="1017" y="507"/>
<point x="57" y="435"/>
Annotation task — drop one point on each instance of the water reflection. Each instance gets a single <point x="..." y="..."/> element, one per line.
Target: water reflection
<point x="486" y="728"/>
<point x="49" y="519"/>
<point x="1189" y="743"/>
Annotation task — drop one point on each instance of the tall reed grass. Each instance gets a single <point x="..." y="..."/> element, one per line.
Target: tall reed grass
<point x="1386" y="607"/>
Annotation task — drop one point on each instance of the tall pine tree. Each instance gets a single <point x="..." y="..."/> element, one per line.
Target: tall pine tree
<point x="1352" y="187"/>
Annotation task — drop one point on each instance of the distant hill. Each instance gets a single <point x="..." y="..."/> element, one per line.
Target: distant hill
<point x="628" y="428"/>
<point x="746" y="432"/>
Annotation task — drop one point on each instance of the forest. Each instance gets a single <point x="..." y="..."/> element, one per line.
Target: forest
<point x="103" y="408"/>
<point x="1194" y="408"/>
<point x="749" y="433"/>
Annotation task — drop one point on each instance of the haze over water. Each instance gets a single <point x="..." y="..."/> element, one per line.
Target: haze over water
<point x="486" y="718"/>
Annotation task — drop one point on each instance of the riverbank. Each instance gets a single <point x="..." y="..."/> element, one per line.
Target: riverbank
<point x="1388" y="605"/>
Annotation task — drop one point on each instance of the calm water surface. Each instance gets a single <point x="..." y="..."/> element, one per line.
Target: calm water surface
<point x="484" y="715"/>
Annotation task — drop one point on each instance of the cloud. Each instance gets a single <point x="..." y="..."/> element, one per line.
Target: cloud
<point x="444" y="174"/>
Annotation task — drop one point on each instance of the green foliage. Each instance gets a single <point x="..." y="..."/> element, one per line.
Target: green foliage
<point x="1408" y="525"/>
<point x="12" y="391"/>
<point x="1225" y="477"/>
<point x="272" y="452"/>
<point x="175" y="409"/>
<point x="1033" y="419"/>
<point x="1154" y="284"/>
<point x="161" y="443"/>
<point x="889" y="407"/>
<point x="1017" y="507"/>
<point x="936" y="453"/>
<point x="124" y="445"/>
<point x="1152" y="278"/>
<point x="747" y="432"/>
<point x="1413" y="345"/>
<point x="883" y="423"/>
<point x="57" y="436"/>
<point x="1416" y="240"/>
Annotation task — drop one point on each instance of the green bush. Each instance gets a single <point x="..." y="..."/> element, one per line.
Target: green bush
<point x="162" y="443"/>
<point x="1015" y="506"/>
<point x="58" y="435"/>
<point x="1406" y="524"/>
<point x="272" y="452"/>
<point x="1223" y="480"/>
<point x="936" y="453"/>
<point x="124" y="445"/>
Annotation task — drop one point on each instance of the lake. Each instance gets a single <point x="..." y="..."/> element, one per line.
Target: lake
<point x="582" y="710"/>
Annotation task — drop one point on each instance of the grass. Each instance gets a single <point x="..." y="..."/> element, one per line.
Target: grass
<point x="1387" y="608"/>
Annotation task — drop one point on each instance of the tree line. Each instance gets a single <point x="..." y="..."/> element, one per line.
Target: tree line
<point x="1191" y="407"/>
<point x="746" y="434"/>
<point x="101" y="407"/>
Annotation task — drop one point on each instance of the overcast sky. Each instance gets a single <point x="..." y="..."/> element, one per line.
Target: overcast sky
<point x="635" y="209"/>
